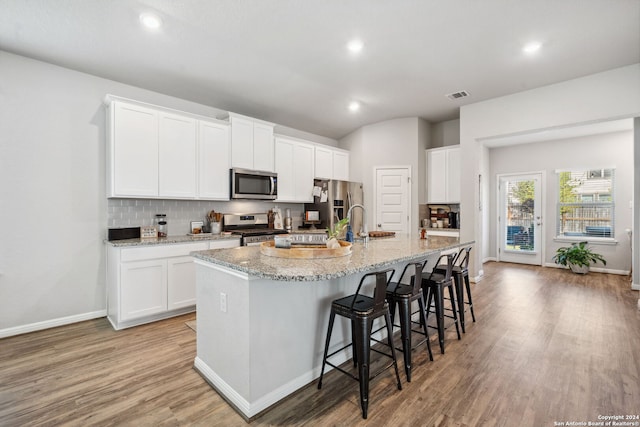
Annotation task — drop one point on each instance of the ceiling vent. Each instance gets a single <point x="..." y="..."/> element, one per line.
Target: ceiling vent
<point x="458" y="95"/>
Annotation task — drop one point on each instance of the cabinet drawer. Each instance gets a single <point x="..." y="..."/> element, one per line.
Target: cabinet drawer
<point x="162" y="251"/>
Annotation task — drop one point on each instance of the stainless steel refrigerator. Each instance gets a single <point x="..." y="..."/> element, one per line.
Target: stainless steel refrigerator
<point x="332" y="199"/>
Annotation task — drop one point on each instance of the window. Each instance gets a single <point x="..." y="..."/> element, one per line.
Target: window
<point x="585" y="203"/>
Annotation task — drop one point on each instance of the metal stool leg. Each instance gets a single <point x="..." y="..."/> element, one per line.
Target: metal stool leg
<point x="405" y="332"/>
<point x="460" y="296"/>
<point x="423" y="322"/>
<point x="332" y="317"/>
<point x="468" y="286"/>
<point x="453" y="310"/>
<point x="361" y="340"/>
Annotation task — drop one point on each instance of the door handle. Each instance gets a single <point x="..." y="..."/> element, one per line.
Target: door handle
<point x="379" y="225"/>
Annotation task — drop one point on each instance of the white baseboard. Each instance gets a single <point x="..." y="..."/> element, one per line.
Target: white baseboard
<point x="594" y="269"/>
<point x="489" y="259"/>
<point x="61" y="321"/>
<point x="636" y="287"/>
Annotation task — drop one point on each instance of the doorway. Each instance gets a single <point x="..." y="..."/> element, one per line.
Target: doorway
<point x="520" y="218"/>
<point x="393" y="199"/>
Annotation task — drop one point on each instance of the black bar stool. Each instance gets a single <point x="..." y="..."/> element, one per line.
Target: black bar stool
<point x="434" y="283"/>
<point x="403" y="295"/>
<point x="461" y="277"/>
<point x="362" y="310"/>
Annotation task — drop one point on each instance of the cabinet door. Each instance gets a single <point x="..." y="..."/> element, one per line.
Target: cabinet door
<point x="284" y="169"/>
<point x="453" y="175"/>
<point x="323" y="163"/>
<point x="143" y="288"/>
<point x="303" y="172"/>
<point x="181" y="273"/>
<point x="134" y="148"/>
<point x="340" y="166"/>
<point x="177" y="156"/>
<point x="241" y="142"/>
<point x="263" y="151"/>
<point x="436" y="176"/>
<point x="224" y="244"/>
<point x="214" y="161"/>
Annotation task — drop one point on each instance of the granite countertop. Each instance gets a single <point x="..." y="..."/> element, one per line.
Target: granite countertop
<point x="376" y="255"/>
<point x="172" y="240"/>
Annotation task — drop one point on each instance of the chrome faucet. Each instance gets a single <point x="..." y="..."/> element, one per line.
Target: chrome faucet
<point x="365" y="232"/>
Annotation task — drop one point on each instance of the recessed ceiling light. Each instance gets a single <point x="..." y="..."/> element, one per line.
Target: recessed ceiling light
<point x="355" y="46"/>
<point x="150" y="21"/>
<point x="354" y="106"/>
<point x="532" y="47"/>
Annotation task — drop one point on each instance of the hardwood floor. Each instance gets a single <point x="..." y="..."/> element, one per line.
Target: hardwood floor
<point x="548" y="346"/>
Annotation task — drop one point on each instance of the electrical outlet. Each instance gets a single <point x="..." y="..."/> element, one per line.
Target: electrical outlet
<point x="223" y="302"/>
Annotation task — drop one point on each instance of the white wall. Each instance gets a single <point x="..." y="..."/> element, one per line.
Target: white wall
<point x="602" y="96"/>
<point x="589" y="152"/>
<point x="445" y="134"/>
<point x="398" y="142"/>
<point x="53" y="208"/>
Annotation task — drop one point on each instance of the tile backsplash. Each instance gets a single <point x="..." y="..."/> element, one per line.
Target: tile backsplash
<point x="180" y="213"/>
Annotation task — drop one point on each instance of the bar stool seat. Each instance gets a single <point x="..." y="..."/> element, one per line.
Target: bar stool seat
<point x="460" y="274"/>
<point x="433" y="285"/>
<point x="401" y="295"/>
<point x="362" y="310"/>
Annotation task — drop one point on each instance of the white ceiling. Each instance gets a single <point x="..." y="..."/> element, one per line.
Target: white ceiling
<point x="285" y="60"/>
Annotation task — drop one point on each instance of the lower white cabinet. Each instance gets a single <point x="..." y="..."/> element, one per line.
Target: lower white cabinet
<point x="143" y="289"/>
<point x="149" y="283"/>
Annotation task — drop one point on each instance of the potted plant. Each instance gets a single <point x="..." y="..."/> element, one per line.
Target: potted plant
<point x="332" y="241"/>
<point x="578" y="257"/>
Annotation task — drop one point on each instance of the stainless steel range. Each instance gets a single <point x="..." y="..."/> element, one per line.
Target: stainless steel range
<point x="254" y="228"/>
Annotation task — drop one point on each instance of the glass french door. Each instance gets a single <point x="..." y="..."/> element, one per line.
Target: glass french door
<point x="520" y="218"/>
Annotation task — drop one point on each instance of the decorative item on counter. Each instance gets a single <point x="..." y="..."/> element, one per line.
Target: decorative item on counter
<point x="196" y="227"/>
<point x="423" y="234"/>
<point x="277" y="219"/>
<point x="161" y="225"/>
<point x="215" y="222"/>
<point x="148" y="232"/>
<point x="270" y="218"/>
<point x="287" y="220"/>
<point x="332" y="241"/>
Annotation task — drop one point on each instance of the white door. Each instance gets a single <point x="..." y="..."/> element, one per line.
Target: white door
<point x="393" y="190"/>
<point x="520" y="219"/>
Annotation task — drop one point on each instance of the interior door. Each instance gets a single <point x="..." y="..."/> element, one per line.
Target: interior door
<point x="393" y="190"/>
<point x="520" y="218"/>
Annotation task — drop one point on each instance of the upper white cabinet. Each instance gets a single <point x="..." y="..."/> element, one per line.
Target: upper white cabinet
<point x="331" y="163"/>
<point x="177" y="155"/>
<point x="158" y="153"/>
<point x="214" y="157"/>
<point x="294" y="166"/>
<point x="133" y="150"/>
<point x="443" y="175"/>
<point x="251" y="143"/>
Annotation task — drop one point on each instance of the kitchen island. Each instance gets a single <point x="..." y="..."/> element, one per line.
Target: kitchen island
<point x="261" y="320"/>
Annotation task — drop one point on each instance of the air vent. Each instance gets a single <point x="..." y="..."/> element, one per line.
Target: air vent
<point x="458" y="95"/>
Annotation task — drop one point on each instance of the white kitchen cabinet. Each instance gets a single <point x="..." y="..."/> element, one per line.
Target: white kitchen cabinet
<point x="155" y="152"/>
<point x="214" y="161"/>
<point x="294" y="166"/>
<point x="331" y="163"/>
<point x="177" y="156"/>
<point x="443" y="175"/>
<point x="323" y="162"/>
<point x="251" y="143"/>
<point x="152" y="282"/>
<point x="263" y="154"/>
<point x="143" y="289"/>
<point x="133" y="151"/>
<point x="341" y="165"/>
<point x="181" y="273"/>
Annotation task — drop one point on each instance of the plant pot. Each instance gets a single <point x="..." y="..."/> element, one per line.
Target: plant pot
<point x="333" y="243"/>
<point x="579" y="269"/>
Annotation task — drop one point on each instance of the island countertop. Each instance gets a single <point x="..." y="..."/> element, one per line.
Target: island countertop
<point x="379" y="253"/>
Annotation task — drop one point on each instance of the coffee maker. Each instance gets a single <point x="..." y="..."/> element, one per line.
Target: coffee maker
<point x="454" y="220"/>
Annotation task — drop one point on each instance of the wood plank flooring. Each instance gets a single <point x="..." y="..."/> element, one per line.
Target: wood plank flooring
<point x="548" y="347"/>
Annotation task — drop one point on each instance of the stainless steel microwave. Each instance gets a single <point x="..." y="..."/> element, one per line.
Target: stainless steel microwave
<point x="250" y="184"/>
